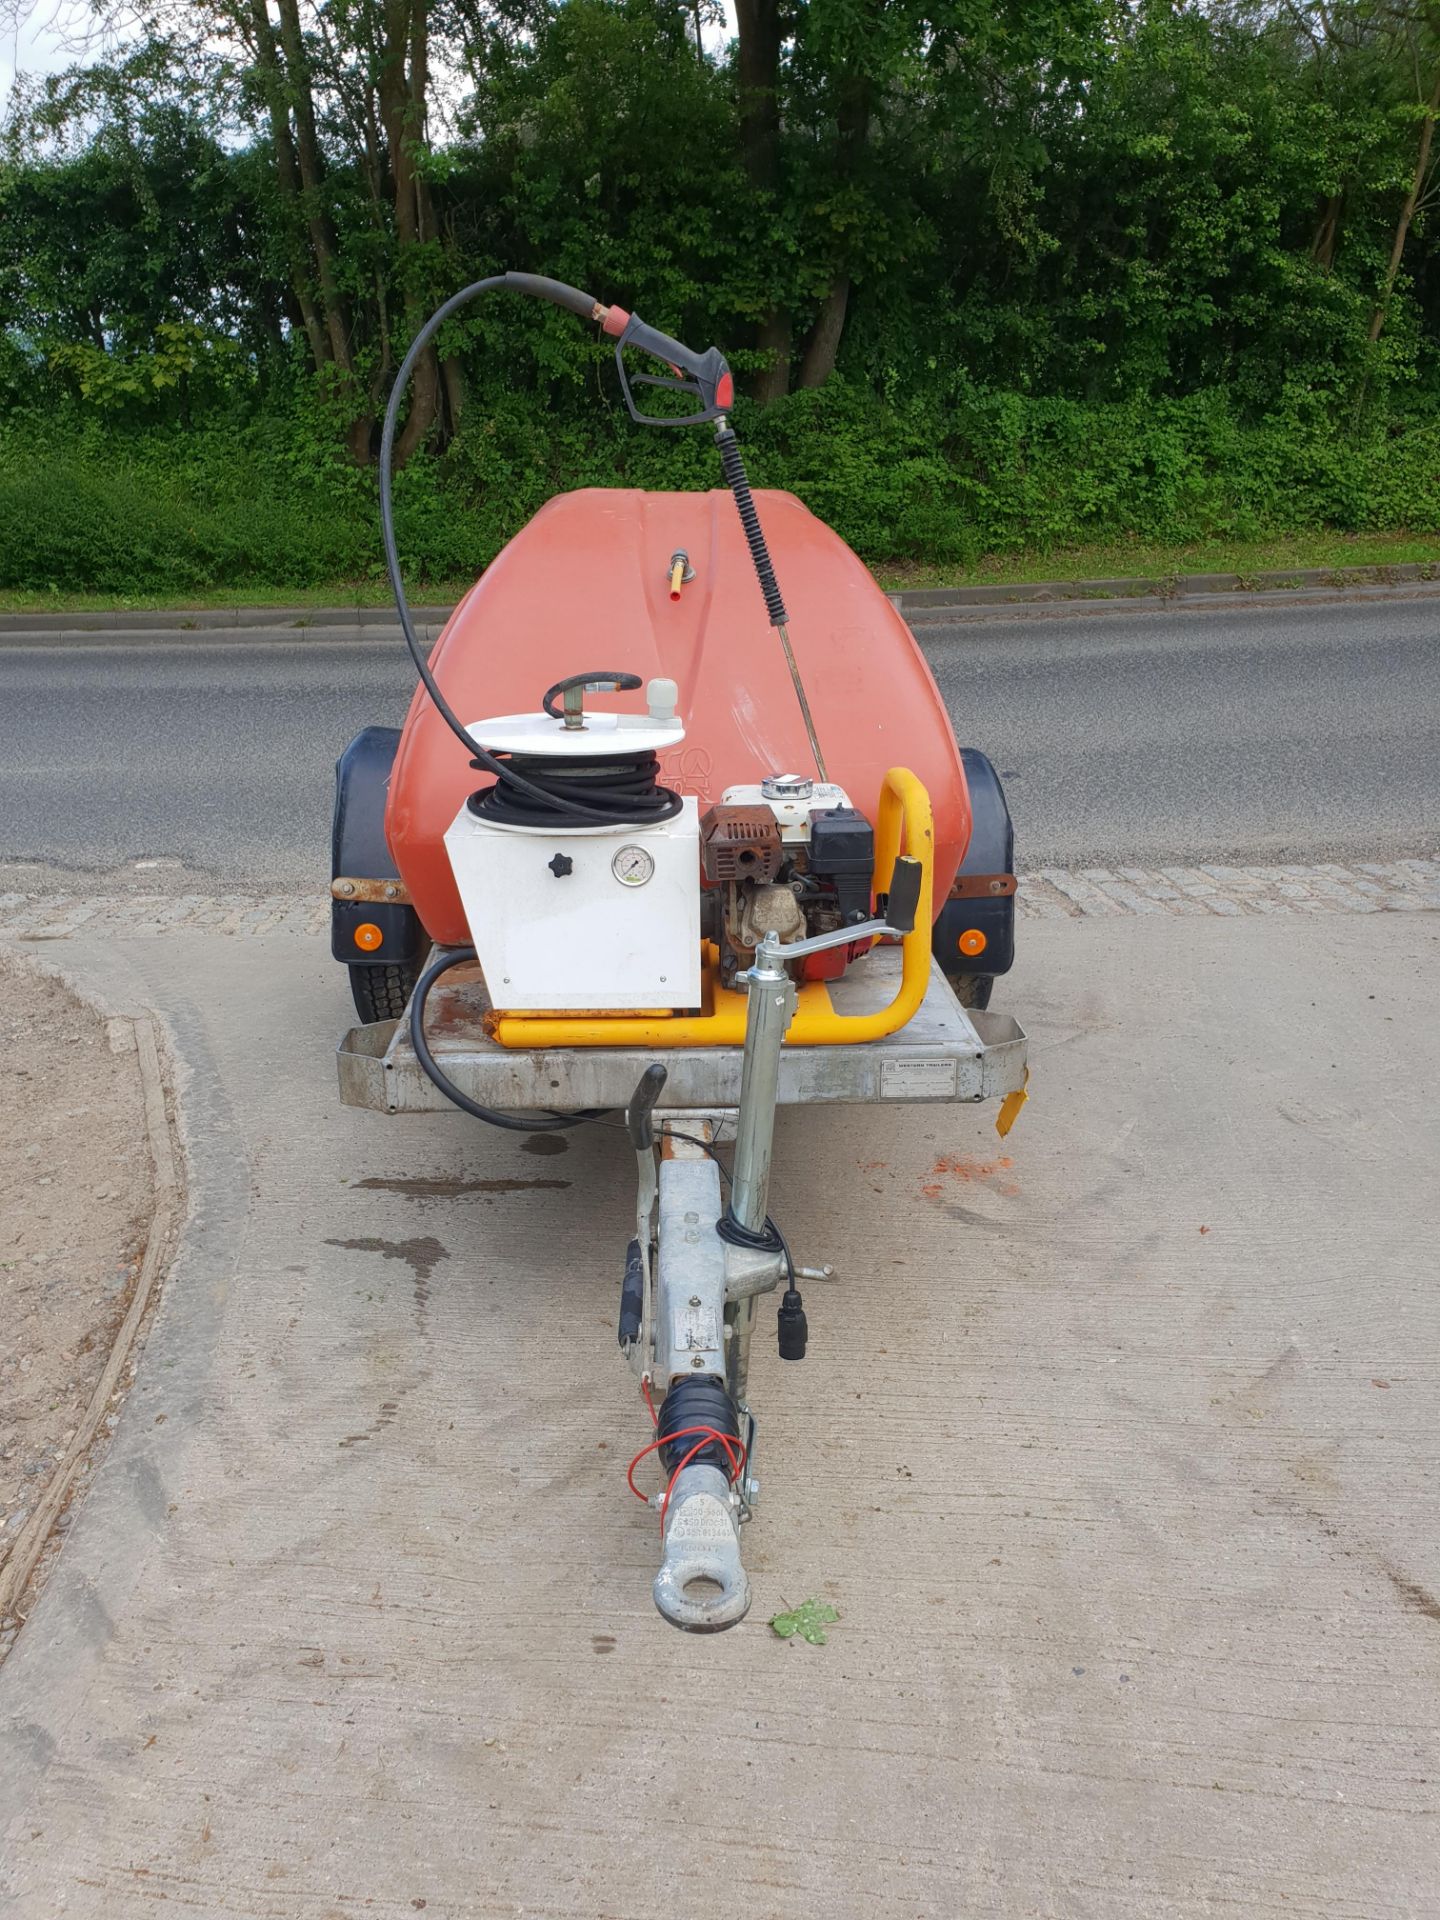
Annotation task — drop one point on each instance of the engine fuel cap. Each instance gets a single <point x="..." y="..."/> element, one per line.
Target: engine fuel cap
<point x="787" y="786"/>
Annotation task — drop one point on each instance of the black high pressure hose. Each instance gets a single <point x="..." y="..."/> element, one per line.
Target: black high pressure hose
<point x="738" y="482"/>
<point x="566" y="793"/>
<point x="567" y="810"/>
<point x="542" y="1122"/>
<point x="709" y="381"/>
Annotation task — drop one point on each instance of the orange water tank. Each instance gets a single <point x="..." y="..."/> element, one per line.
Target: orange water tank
<point x="586" y="587"/>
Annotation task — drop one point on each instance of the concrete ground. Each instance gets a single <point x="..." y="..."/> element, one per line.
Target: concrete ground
<point x="1116" y="1450"/>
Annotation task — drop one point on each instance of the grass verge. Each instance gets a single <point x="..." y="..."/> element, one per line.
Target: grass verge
<point x="1130" y="560"/>
<point x="1139" y="560"/>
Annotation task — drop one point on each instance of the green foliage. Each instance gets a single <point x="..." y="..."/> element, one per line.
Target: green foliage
<point x="1110" y="271"/>
<point x="809" y="1620"/>
<point x="164" y="510"/>
<point x="183" y="354"/>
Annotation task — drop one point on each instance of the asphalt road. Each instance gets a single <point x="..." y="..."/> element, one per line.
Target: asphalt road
<point x="1262" y="734"/>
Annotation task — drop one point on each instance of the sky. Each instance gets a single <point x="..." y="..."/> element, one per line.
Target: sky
<point x="38" y="36"/>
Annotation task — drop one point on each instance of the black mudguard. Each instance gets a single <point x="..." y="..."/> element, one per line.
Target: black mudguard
<point x="358" y="850"/>
<point x="991" y="851"/>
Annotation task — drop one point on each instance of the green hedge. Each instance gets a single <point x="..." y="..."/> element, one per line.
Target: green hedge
<point x="166" y="511"/>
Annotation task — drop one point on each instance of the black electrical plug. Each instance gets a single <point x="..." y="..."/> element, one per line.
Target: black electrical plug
<point x="791" y="1325"/>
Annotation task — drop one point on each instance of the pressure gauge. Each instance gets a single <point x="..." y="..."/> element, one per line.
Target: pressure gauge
<point x="633" y="866"/>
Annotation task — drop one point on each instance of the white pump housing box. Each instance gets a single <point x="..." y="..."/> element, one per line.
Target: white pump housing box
<point x="604" y="918"/>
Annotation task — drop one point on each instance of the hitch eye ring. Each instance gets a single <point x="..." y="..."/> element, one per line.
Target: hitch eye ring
<point x="368" y="936"/>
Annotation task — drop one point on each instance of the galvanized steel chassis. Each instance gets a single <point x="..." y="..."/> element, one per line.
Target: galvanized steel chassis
<point x="700" y="1292"/>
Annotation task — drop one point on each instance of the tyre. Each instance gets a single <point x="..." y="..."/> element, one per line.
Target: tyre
<point x="381" y="993"/>
<point x="970" y="989"/>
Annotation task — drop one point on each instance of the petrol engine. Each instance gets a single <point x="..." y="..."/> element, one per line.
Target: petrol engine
<point x="789" y="856"/>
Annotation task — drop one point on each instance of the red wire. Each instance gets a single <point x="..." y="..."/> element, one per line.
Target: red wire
<point x="734" y="1454"/>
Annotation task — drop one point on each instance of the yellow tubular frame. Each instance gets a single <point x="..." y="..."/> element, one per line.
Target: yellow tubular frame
<point x="905" y="819"/>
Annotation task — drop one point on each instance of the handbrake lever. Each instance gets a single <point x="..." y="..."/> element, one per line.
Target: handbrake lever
<point x="901" y="904"/>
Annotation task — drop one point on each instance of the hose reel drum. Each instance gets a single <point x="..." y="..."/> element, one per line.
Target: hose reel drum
<point x="565" y="915"/>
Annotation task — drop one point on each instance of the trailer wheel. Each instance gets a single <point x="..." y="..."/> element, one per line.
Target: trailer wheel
<point x="970" y="989"/>
<point x="382" y="993"/>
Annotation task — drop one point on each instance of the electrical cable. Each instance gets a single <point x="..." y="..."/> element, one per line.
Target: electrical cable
<point x="791" y="1324"/>
<point x="768" y="1239"/>
<point x="734" y="1449"/>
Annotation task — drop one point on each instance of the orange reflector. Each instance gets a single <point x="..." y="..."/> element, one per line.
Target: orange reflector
<point x="1010" y="1107"/>
<point x="972" y="941"/>
<point x="368" y="936"/>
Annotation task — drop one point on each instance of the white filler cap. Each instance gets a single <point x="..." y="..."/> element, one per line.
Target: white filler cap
<point x="661" y="697"/>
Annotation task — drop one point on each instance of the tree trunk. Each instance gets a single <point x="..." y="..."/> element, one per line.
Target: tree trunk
<point x="1327" y="232"/>
<point x="772" y="381"/>
<point x="424" y="409"/>
<point x="824" y="342"/>
<point x="402" y="110"/>
<point x="761" y="37"/>
<point x="311" y="169"/>
<point x="453" y="381"/>
<point x="1407" y="212"/>
<point x="854" y="130"/>
<point x="287" y="179"/>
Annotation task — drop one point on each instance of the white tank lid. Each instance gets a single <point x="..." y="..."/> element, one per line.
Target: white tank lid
<point x="537" y="733"/>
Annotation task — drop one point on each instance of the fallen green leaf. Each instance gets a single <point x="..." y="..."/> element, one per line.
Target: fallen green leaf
<point x="809" y="1620"/>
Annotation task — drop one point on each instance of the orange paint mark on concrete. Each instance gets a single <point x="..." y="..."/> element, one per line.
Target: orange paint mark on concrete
<point x="972" y="1169"/>
<point x="990" y="1173"/>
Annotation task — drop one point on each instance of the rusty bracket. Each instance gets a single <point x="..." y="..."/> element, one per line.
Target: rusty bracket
<point x="983" y="886"/>
<point x="376" y="892"/>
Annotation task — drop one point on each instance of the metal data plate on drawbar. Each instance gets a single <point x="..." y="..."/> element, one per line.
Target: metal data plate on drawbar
<point x="946" y="1053"/>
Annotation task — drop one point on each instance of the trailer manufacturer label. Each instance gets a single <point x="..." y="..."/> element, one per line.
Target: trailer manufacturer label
<point x="696" y="1329"/>
<point x="918" y="1079"/>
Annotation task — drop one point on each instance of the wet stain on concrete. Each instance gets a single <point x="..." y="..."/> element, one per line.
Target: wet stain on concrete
<point x="1411" y="1592"/>
<point x="387" y="1413"/>
<point x="421" y="1293"/>
<point x="969" y="1217"/>
<point x="422" y="1255"/>
<point x="425" y="1188"/>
